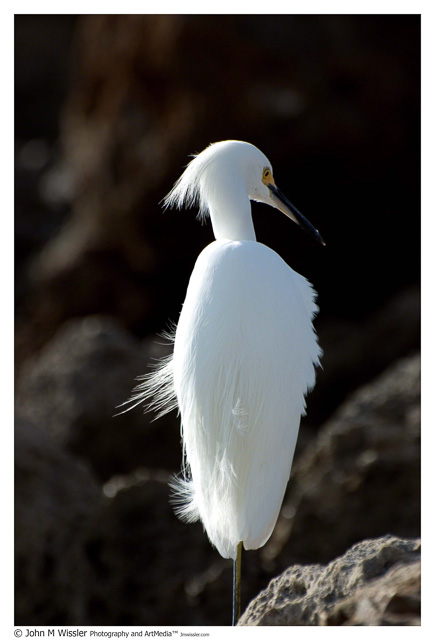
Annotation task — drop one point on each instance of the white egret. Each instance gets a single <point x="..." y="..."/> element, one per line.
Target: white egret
<point x="244" y="357"/>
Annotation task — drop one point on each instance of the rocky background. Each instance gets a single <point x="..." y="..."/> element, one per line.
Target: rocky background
<point x="108" y="108"/>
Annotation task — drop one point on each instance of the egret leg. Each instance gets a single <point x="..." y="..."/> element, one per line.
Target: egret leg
<point x="237" y="572"/>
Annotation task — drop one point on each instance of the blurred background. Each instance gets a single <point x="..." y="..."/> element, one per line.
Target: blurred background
<point x="108" y="109"/>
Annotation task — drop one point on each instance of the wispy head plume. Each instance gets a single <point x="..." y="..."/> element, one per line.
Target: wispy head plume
<point x="194" y="186"/>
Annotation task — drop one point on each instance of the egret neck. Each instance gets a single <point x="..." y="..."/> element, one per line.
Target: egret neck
<point x="230" y="209"/>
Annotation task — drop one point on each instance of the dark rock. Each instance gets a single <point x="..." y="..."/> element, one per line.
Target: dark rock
<point x="59" y="529"/>
<point x="357" y="351"/>
<point x="161" y="571"/>
<point x="360" y="478"/>
<point x="117" y="556"/>
<point x="375" y="582"/>
<point x="73" y="386"/>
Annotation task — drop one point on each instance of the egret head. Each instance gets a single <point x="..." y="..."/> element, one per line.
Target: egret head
<point x="232" y="169"/>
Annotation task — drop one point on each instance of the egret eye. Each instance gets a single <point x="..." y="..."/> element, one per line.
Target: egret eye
<point x="267" y="175"/>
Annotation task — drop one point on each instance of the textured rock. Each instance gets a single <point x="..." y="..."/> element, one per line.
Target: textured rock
<point x="73" y="386"/>
<point x="58" y="533"/>
<point x="375" y="582"/>
<point x="360" y="478"/>
<point x="79" y="550"/>
<point x="118" y="556"/>
<point x="394" y="599"/>
<point x="130" y="549"/>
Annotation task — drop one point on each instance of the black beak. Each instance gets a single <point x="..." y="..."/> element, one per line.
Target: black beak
<point x="284" y="205"/>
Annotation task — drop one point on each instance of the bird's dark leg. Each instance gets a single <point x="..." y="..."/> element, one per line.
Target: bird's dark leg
<point x="237" y="571"/>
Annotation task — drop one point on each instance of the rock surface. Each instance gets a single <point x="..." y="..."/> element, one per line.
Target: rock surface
<point x="360" y="478"/>
<point x="393" y="599"/>
<point x="375" y="582"/>
<point x="160" y="571"/>
<point x="357" y="351"/>
<point x="59" y="528"/>
<point x="72" y="389"/>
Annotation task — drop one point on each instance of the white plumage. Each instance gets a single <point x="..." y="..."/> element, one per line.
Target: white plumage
<point x="245" y="353"/>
